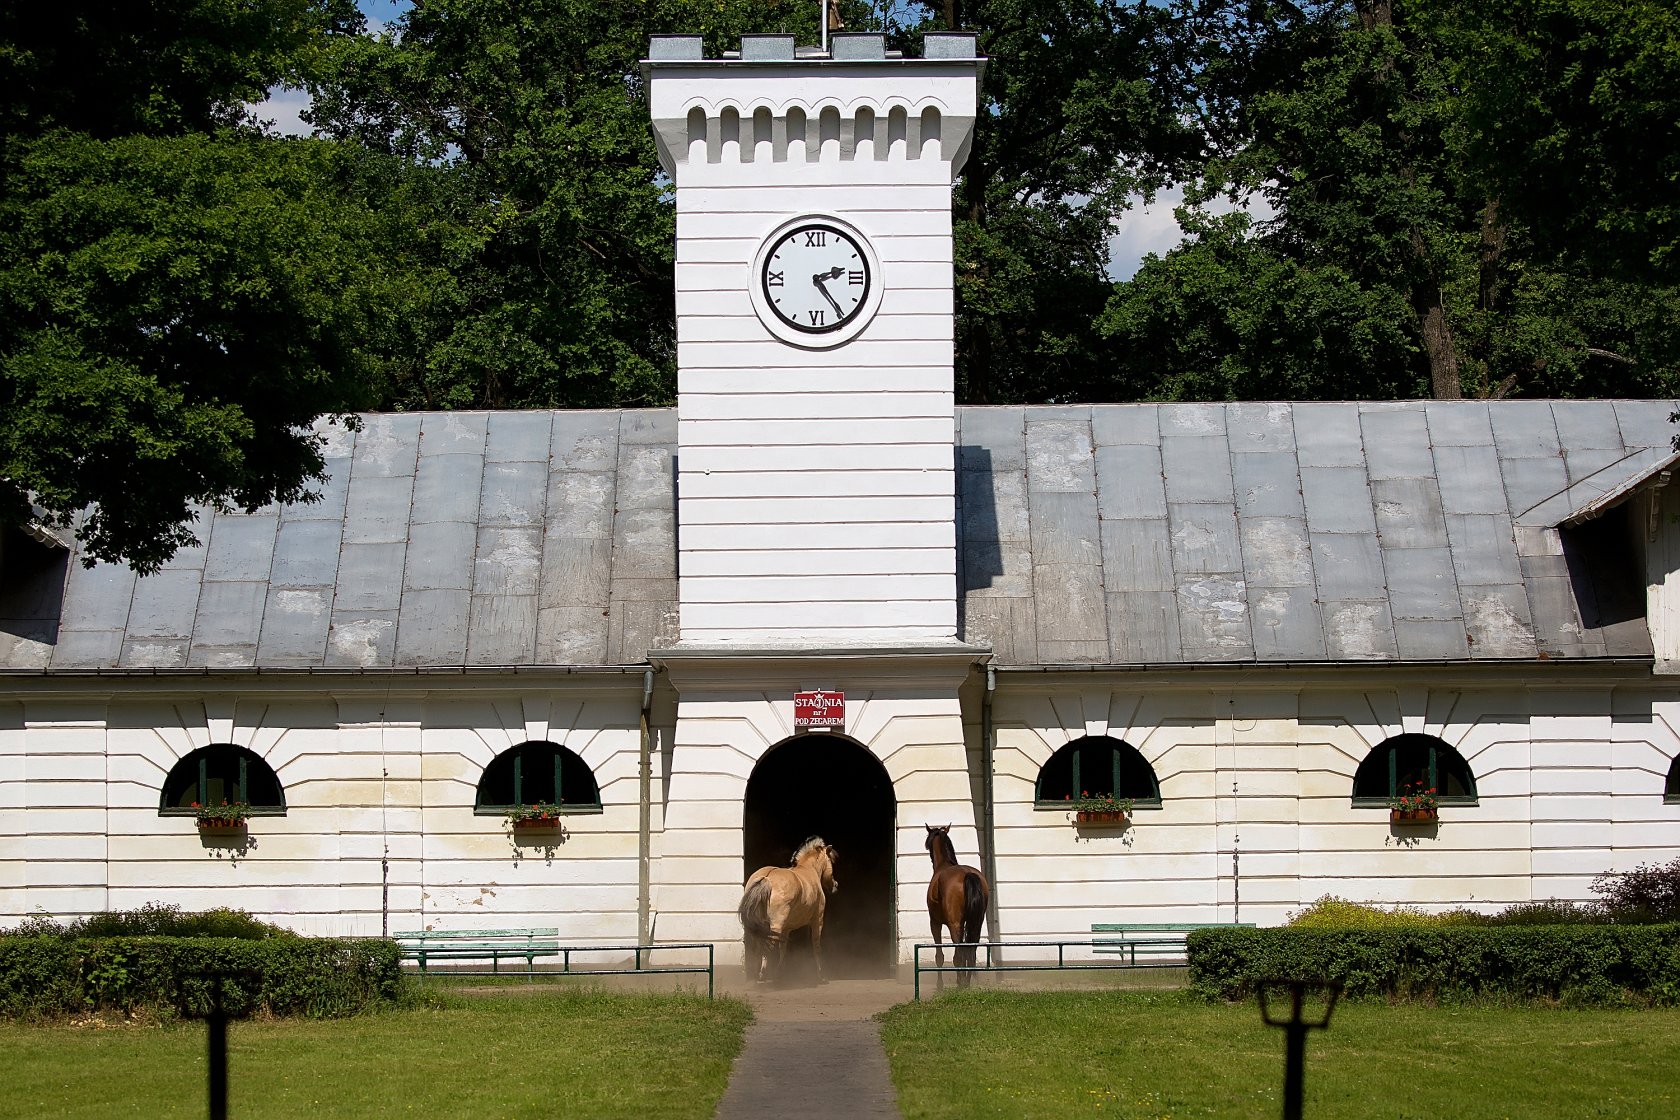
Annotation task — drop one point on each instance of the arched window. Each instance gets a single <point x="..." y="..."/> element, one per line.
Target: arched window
<point x="1097" y="765"/>
<point x="537" y="774"/>
<point x="222" y="772"/>
<point x="1671" y="792"/>
<point x="1408" y="763"/>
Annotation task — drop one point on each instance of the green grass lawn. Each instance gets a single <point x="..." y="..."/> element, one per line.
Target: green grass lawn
<point x="541" y="1054"/>
<point x="1145" y="1055"/>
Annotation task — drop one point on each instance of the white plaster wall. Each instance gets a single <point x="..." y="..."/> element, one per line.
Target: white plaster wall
<point x="1569" y="784"/>
<point x="721" y="735"/>
<point x="816" y="486"/>
<point x="366" y="776"/>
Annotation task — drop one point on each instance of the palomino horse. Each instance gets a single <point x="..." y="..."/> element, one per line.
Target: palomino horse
<point x="779" y="900"/>
<point x="956" y="898"/>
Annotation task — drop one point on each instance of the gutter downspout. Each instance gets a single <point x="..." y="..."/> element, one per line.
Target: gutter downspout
<point x="644" y="821"/>
<point x="988" y="807"/>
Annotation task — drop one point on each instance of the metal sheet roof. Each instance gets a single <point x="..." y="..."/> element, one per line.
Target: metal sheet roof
<point x="1107" y="534"/>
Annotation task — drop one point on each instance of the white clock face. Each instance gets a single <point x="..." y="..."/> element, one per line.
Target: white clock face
<point x="816" y="277"/>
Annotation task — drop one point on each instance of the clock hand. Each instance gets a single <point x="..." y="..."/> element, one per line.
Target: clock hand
<point x="820" y="278"/>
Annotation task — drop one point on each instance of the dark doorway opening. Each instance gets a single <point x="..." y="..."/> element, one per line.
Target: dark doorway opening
<point x="829" y="786"/>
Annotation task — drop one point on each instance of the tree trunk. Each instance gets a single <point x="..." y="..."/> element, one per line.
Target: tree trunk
<point x="1437" y="332"/>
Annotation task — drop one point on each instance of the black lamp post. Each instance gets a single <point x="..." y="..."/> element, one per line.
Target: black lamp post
<point x="1295" y="1029"/>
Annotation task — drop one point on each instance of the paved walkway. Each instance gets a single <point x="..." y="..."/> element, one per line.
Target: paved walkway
<point x="813" y="1051"/>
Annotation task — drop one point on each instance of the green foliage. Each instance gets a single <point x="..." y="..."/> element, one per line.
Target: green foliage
<point x="155" y="919"/>
<point x="314" y="977"/>
<point x="1648" y="893"/>
<point x="1577" y="964"/>
<point x="174" y="313"/>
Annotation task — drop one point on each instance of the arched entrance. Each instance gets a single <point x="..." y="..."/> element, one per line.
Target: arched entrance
<point x="829" y="786"/>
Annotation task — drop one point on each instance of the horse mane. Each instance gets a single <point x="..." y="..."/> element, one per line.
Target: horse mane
<point x="806" y="849"/>
<point x="942" y="840"/>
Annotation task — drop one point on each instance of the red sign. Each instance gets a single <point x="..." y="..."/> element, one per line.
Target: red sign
<point x="819" y="709"/>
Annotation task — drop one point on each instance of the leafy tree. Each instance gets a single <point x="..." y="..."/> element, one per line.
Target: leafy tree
<point x="1075" y="117"/>
<point x="1398" y="167"/>
<point x="180" y="296"/>
<point x="532" y="118"/>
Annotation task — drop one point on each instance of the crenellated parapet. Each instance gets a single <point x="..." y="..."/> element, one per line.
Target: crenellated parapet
<point x="769" y="104"/>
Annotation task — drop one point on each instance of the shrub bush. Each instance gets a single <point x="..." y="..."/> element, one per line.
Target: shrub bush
<point x="157" y="920"/>
<point x="1648" y="893"/>
<point x="1586" y="964"/>
<point x="291" y="975"/>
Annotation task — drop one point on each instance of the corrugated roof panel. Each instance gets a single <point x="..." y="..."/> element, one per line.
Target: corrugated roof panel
<point x="1060" y="457"/>
<point x="1348" y="566"/>
<point x="1528" y="482"/>
<point x="1358" y="630"/>
<point x="1397" y="444"/>
<point x="453" y="433"/>
<point x="1497" y="620"/>
<point x="576" y="572"/>
<point x="1581" y="465"/>
<point x="1267" y="484"/>
<point x="1484" y="549"/>
<point x="515" y="494"/>
<point x="448" y="488"/>
<point x="241" y="546"/>
<point x="433" y="627"/>
<point x="228" y="622"/>
<point x="1525" y="430"/>
<point x="645" y="478"/>
<point x="1264" y="426"/>
<point x="369" y="577"/>
<point x="1197" y="468"/>
<point x="1143" y="627"/>
<point x="1459" y="424"/>
<point x="1002" y="432"/>
<point x="1121" y="424"/>
<point x="440" y="557"/>
<point x="306" y="554"/>
<point x="508" y="562"/>
<point x="1286" y="623"/>
<point x="1328" y="435"/>
<point x="1467" y="477"/>
<point x="1588" y="425"/>
<point x="1276" y="552"/>
<point x="164" y="604"/>
<point x="1645" y="426"/>
<point x="572" y="635"/>
<point x="585" y="441"/>
<point x="1338" y="500"/>
<point x="1431" y="639"/>
<point x="1137" y="556"/>
<point x="1065" y="529"/>
<point x="519" y="437"/>
<point x="1129" y="482"/>
<point x="378" y="508"/>
<point x="1204" y="540"/>
<point x="1421" y="583"/>
<point x="294" y="626"/>
<point x="1408" y="512"/>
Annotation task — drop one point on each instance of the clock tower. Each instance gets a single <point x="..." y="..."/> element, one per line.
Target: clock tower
<point x="815" y="474"/>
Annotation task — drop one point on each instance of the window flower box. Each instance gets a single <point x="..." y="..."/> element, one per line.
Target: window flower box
<point x="1413" y="816"/>
<point x="526" y="819"/>
<point x="226" y="819"/>
<point x="1107" y="817"/>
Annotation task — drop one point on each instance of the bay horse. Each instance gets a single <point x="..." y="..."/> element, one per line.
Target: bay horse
<point x="956" y="898"/>
<point x="779" y="900"/>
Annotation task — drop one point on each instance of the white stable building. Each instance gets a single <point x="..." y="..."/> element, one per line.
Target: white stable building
<point x="1256" y="620"/>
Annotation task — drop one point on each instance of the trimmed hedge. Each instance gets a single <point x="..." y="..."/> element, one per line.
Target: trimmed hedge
<point x="1584" y="964"/>
<point x="314" y="977"/>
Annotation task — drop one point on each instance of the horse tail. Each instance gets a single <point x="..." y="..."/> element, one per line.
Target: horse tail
<point x="755" y="910"/>
<point x="974" y="906"/>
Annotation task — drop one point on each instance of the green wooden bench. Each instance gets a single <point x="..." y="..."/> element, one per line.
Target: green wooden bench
<point x="478" y="945"/>
<point x="1151" y="943"/>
